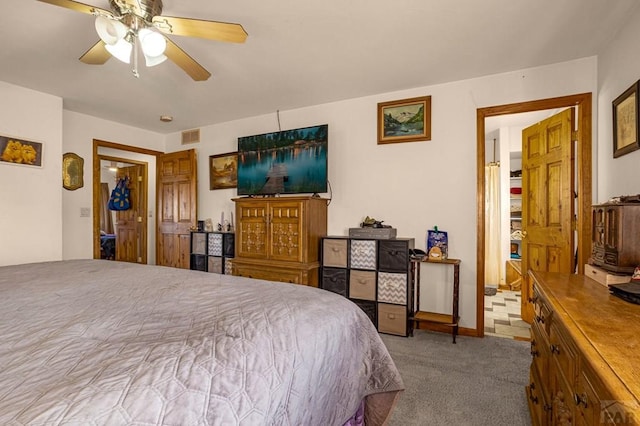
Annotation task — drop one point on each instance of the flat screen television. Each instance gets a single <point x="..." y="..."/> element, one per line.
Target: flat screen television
<point x="284" y="162"/>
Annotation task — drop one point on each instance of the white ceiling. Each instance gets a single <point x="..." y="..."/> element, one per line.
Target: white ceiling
<point x="298" y="53"/>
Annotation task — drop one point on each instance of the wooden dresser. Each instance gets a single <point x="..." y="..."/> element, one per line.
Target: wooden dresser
<point x="278" y="238"/>
<point x="586" y="354"/>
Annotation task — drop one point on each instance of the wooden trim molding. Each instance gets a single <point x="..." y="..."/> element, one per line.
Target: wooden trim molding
<point x="584" y="177"/>
<point x="96" y="183"/>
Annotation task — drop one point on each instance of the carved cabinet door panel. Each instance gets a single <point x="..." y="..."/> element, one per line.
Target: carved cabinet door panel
<point x="285" y="221"/>
<point x="252" y="232"/>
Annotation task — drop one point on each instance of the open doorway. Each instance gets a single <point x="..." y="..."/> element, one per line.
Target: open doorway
<point x="503" y="230"/>
<point x="582" y="138"/>
<point x="139" y="229"/>
<point x="123" y="233"/>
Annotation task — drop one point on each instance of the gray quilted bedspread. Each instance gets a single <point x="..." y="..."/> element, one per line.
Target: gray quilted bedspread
<point x="90" y="342"/>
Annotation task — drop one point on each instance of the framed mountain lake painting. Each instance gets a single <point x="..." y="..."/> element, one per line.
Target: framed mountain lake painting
<point x="406" y="120"/>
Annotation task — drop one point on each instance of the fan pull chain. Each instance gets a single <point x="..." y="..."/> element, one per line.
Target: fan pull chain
<point x="136" y="74"/>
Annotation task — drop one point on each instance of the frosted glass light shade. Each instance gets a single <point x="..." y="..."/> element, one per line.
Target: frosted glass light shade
<point x="110" y="31"/>
<point x="153" y="43"/>
<point x="152" y="61"/>
<point x="121" y="50"/>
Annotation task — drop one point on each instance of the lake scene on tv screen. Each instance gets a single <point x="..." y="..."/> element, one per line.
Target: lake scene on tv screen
<point x="286" y="162"/>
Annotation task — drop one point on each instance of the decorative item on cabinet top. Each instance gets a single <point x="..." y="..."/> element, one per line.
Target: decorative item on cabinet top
<point x="371" y="228"/>
<point x="373" y="273"/>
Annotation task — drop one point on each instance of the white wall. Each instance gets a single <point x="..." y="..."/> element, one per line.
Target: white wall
<point x="411" y="186"/>
<point x="31" y="197"/>
<point x="79" y="132"/>
<point x="618" y="69"/>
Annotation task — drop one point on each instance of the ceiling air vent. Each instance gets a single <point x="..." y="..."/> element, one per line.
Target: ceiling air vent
<point x="190" y="136"/>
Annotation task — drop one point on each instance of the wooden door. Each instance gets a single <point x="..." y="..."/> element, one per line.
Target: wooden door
<point x="177" y="207"/>
<point x="131" y="224"/>
<point x="547" y="200"/>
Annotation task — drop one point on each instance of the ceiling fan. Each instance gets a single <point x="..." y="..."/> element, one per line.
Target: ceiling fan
<point x="130" y="23"/>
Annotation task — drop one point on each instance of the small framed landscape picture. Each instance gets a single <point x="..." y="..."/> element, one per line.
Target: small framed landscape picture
<point x="406" y="120"/>
<point x="625" y="122"/>
<point x="223" y="171"/>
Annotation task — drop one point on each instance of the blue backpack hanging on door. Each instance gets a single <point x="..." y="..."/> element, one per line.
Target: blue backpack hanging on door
<point x="120" y="195"/>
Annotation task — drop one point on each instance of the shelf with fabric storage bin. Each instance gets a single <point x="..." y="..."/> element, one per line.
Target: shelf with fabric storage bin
<point x="212" y="251"/>
<point x="515" y="216"/>
<point x="375" y="274"/>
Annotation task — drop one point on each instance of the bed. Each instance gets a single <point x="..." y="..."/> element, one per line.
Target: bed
<point x="108" y="246"/>
<point x="99" y="342"/>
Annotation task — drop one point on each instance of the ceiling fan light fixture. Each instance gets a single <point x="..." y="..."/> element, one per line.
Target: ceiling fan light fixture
<point x="121" y="50"/>
<point x="152" y="61"/>
<point x="109" y="30"/>
<point x="152" y="42"/>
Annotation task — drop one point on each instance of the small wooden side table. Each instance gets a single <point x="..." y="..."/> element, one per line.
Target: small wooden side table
<point x="418" y="316"/>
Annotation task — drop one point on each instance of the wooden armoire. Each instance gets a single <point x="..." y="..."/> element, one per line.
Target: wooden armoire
<point x="278" y="238"/>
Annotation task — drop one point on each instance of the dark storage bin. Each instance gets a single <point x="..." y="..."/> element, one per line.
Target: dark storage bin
<point x="369" y="308"/>
<point x="229" y="246"/>
<point x="393" y="256"/>
<point x="198" y="262"/>
<point x="335" y="280"/>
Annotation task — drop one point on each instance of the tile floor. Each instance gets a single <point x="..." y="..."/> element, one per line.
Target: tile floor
<point x="502" y="316"/>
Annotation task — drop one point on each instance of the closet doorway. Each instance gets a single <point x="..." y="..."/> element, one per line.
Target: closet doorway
<point x="581" y="137"/>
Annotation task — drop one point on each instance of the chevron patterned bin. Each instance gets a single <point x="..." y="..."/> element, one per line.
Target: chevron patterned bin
<point x="392" y="288"/>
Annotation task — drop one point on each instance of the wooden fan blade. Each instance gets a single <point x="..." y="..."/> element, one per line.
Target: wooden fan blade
<point x="186" y="62"/>
<point x="221" y="31"/>
<point x="96" y="55"/>
<point x="77" y="6"/>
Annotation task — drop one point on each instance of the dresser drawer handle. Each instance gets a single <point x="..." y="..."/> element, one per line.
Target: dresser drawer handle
<point x="391" y="316"/>
<point x="555" y="349"/>
<point x="580" y="399"/>
<point x="534" y="352"/>
<point x="532" y="397"/>
<point x="540" y="319"/>
<point x="533" y="299"/>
